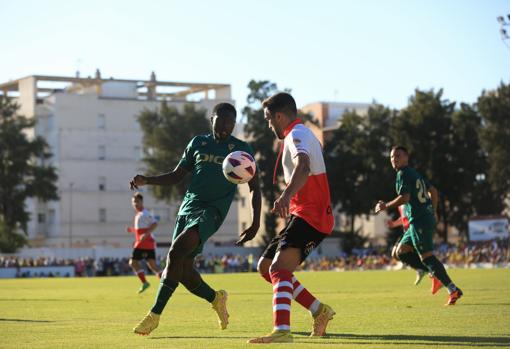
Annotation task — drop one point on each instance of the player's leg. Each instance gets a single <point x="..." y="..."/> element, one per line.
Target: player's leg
<point x="407" y="254"/>
<point x="192" y="280"/>
<point x="151" y="262"/>
<point x="301" y="295"/>
<point x="423" y="242"/>
<point x="185" y="241"/>
<point x="134" y="262"/>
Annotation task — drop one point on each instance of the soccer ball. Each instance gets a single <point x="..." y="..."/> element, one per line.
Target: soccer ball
<point x="239" y="167"/>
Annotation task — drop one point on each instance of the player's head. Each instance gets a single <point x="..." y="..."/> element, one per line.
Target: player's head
<point x="399" y="157"/>
<point x="279" y="111"/>
<point x="223" y="120"/>
<point x="137" y="201"/>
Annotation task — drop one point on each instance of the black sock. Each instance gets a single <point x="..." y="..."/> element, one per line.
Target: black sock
<point x="438" y="270"/>
<point x="203" y="290"/>
<point x="166" y="289"/>
<point x="413" y="260"/>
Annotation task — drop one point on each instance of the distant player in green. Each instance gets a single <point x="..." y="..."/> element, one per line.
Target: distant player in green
<point x="205" y="206"/>
<point x="413" y="192"/>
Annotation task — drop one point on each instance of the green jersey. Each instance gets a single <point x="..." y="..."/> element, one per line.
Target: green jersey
<point x="203" y="157"/>
<point x="419" y="208"/>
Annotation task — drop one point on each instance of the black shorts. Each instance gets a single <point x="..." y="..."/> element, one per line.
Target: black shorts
<point x="297" y="233"/>
<point x="139" y="254"/>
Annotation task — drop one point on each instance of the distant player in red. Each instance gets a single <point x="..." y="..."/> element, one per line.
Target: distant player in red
<point x="306" y="205"/>
<point x="145" y="245"/>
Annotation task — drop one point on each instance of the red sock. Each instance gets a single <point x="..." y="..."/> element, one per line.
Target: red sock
<point x="300" y="294"/>
<point x="282" y="298"/>
<point x="303" y="297"/>
<point x="141" y="276"/>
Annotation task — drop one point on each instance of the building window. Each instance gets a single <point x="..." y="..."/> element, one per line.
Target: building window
<point x="102" y="183"/>
<point x="102" y="215"/>
<point x="101" y="121"/>
<point x="51" y="216"/>
<point x="101" y="152"/>
<point x="41" y="218"/>
<point x="243" y="226"/>
<point x="243" y="201"/>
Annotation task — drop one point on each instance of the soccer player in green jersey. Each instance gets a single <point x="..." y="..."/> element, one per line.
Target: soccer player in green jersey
<point x="205" y="206"/>
<point x="413" y="192"/>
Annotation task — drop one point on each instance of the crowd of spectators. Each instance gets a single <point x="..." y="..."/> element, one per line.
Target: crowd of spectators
<point x="462" y="255"/>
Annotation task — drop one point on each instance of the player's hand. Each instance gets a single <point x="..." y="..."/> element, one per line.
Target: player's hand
<point x="282" y="206"/>
<point x="137" y="181"/>
<point x="381" y="206"/>
<point x="247" y="235"/>
<point x="390" y="224"/>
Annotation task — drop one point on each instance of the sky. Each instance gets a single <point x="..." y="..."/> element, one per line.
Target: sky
<point x="344" y="51"/>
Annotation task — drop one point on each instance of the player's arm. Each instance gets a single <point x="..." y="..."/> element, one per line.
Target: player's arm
<point x="148" y="231"/>
<point x="399" y="200"/>
<point x="394" y="224"/>
<point x="434" y="197"/>
<point x="256" y="203"/>
<point x="169" y="178"/>
<point x="298" y="179"/>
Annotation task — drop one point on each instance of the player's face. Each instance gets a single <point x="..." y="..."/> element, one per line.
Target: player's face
<point x="137" y="204"/>
<point x="273" y="123"/>
<point x="223" y="126"/>
<point x="399" y="159"/>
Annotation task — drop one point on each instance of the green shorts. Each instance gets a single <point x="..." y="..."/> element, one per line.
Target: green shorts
<point x="208" y="221"/>
<point x="419" y="236"/>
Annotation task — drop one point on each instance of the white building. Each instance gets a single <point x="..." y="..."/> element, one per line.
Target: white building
<point x="91" y="127"/>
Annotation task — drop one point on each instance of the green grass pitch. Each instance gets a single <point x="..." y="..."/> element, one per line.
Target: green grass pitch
<point x="375" y="309"/>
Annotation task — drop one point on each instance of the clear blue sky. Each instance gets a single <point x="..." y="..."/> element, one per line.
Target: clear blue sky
<point x="348" y="51"/>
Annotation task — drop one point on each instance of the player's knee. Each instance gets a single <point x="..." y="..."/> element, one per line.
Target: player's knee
<point x="402" y="249"/>
<point x="263" y="266"/>
<point x="131" y="262"/>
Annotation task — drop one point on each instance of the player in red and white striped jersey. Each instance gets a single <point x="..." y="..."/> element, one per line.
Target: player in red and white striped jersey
<point x="306" y="204"/>
<point x="145" y="245"/>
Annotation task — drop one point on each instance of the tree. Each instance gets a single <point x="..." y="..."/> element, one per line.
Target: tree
<point x="357" y="159"/>
<point x="425" y="128"/>
<point x="166" y="133"/>
<point x="265" y="146"/>
<point x="24" y="173"/>
<point x="494" y="108"/>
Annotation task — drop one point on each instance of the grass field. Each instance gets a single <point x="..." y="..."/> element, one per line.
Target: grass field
<point x="375" y="309"/>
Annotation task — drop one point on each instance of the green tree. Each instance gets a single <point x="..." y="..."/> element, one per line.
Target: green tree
<point x="357" y="160"/>
<point x="494" y="108"/>
<point x="425" y="128"/>
<point x="166" y="133"/>
<point x="265" y="146"/>
<point x="24" y="173"/>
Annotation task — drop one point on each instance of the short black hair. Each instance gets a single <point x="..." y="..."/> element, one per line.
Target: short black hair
<point x="281" y="102"/>
<point x="138" y="196"/>
<point x="225" y="109"/>
<point x="400" y="147"/>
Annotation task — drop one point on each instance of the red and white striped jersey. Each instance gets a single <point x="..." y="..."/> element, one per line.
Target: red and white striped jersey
<point x="142" y="222"/>
<point x="312" y="202"/>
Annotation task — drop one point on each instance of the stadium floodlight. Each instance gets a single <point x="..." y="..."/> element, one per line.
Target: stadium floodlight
<point x="501" y="19"/>
<point x="503" y="33"/>
<point x="508" y="16"/>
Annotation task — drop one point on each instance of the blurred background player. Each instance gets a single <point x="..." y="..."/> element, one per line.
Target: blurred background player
<point x="414" y="260"/>
<point x="145" y="245"/>
<point x="205" y="206"/>
<point x="420" y="202"/>
<point x="306" y="203"/>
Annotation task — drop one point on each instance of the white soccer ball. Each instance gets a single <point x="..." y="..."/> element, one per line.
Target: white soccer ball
<point x="239" y="167"/>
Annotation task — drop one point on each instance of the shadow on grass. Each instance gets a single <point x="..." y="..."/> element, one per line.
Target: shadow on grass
<point x="412" y="339"/>
<point x="24" y="320"/>
<point x="199" y="337"/>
